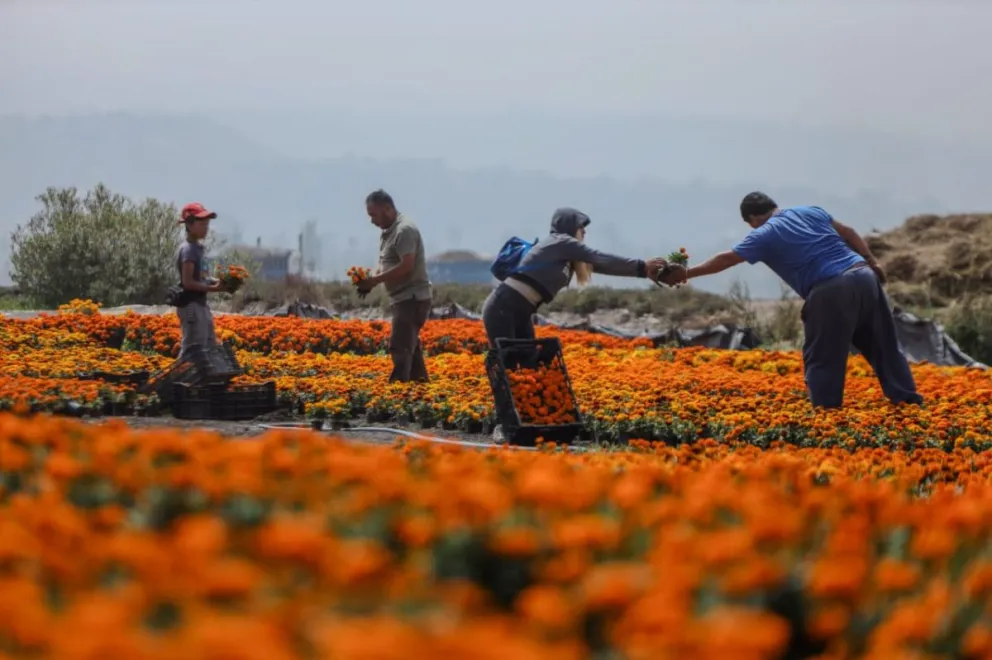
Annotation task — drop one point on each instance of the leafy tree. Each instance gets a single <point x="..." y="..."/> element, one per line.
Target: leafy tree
<point x="101" y="246"/>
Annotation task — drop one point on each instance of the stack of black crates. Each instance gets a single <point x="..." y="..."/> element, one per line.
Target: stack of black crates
<point x="511" y="354"/>
<point x="199" y="387"/>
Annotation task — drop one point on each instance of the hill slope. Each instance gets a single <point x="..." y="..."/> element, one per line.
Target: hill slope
<point x="933" y="261"/>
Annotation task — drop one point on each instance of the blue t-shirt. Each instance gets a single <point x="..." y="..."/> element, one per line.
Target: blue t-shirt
<point x="801" y="246"/>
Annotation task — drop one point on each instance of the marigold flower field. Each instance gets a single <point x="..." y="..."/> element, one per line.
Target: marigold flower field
<point x="752" y="528"/>
<point x="625" y="388"/>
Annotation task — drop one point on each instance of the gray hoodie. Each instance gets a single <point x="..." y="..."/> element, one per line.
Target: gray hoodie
<point x="547" y="267"/>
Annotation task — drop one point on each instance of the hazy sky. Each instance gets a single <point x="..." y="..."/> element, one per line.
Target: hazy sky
<point x="916" y="66"/>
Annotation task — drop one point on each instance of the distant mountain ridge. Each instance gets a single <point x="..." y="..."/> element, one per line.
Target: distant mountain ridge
<point x="748" y="153"/>
<point x="261" y="191"/>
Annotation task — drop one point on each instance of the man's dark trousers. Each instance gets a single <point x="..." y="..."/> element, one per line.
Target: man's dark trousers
<point x="409" y="316"/>
<point x="851" y="309"/>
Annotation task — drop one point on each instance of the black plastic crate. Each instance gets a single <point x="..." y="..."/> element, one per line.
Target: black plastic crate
<point x="180" y="371"/>
<point x="193" y="401"/>
<point x="216" y="364"/>
<point x="219" y="402"/>
<point x="210" y="365"/>
<point x="136" y="378"/>
<point x="511" y="354"/>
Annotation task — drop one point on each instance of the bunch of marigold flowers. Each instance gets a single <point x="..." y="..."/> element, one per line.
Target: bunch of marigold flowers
<point x="358" y="273"/>
<point x="232" y="277"/>
<point x="681" y="257"/>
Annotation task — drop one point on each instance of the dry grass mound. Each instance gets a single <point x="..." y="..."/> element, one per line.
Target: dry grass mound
<point x="457" y="257"/>
<point x="934" y="261"/>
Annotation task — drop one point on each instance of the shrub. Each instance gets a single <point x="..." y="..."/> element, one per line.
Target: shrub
<point x="969" y="323"/>
<point x="103" y="247"/>
<point x="781" y="326"/>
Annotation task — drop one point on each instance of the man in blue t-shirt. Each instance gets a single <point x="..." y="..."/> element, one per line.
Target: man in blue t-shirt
<point x="830" y="266"/>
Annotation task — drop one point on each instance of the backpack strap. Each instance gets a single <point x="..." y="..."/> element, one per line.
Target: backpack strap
<point x="530" y="267"/>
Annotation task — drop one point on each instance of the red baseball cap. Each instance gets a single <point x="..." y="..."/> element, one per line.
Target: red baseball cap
<point x="197" y="211"/>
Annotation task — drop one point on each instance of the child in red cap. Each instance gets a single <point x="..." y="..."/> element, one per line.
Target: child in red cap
<point x="195" y="319"/>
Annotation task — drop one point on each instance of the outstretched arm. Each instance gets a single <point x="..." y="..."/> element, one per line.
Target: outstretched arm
<point x="715" y="264"/>
<point x="677" y="274"/>
<point x="570" y="249"/>
<point x="752" y="250"/>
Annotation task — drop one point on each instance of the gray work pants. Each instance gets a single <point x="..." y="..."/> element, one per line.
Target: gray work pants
<point x="409" y="316"/>
<point x="197" y="324"/>
<point x="851" y="309"/>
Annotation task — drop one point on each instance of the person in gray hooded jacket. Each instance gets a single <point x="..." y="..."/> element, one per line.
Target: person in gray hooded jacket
<point x="549" y="267"/>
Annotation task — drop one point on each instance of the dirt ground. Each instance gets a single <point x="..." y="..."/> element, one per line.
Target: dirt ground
<point x="251" y="428"/>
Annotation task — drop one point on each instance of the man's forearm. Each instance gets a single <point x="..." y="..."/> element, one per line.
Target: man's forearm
<point x="394" y="274"/>
<point x="859" y="245"/>
<point x="199" y="287"/>
<point x="713" y="265"/>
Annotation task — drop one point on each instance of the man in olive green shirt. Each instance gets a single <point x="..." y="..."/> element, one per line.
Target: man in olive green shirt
<point x="403" y="270"/>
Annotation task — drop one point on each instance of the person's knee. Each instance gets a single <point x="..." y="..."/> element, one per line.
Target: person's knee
<point x="401" y="355"/>
<point x="195" y="337"/>
<point x="402" y="338"/>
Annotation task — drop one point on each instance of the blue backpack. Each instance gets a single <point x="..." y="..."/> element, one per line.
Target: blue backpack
<point x="509" y="257"/>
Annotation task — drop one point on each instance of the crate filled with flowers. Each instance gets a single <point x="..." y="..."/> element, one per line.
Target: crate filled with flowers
<point x="533" y="396"/>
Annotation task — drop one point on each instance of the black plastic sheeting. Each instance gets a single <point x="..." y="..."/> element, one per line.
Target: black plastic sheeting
<point x="454" y="311"/>
<point x="926" y="341"/>
<point x="921" y="340"/>
<point x="718" y="336"/>
<point x="303" y="311"/>
<point x="728" y="337"/>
